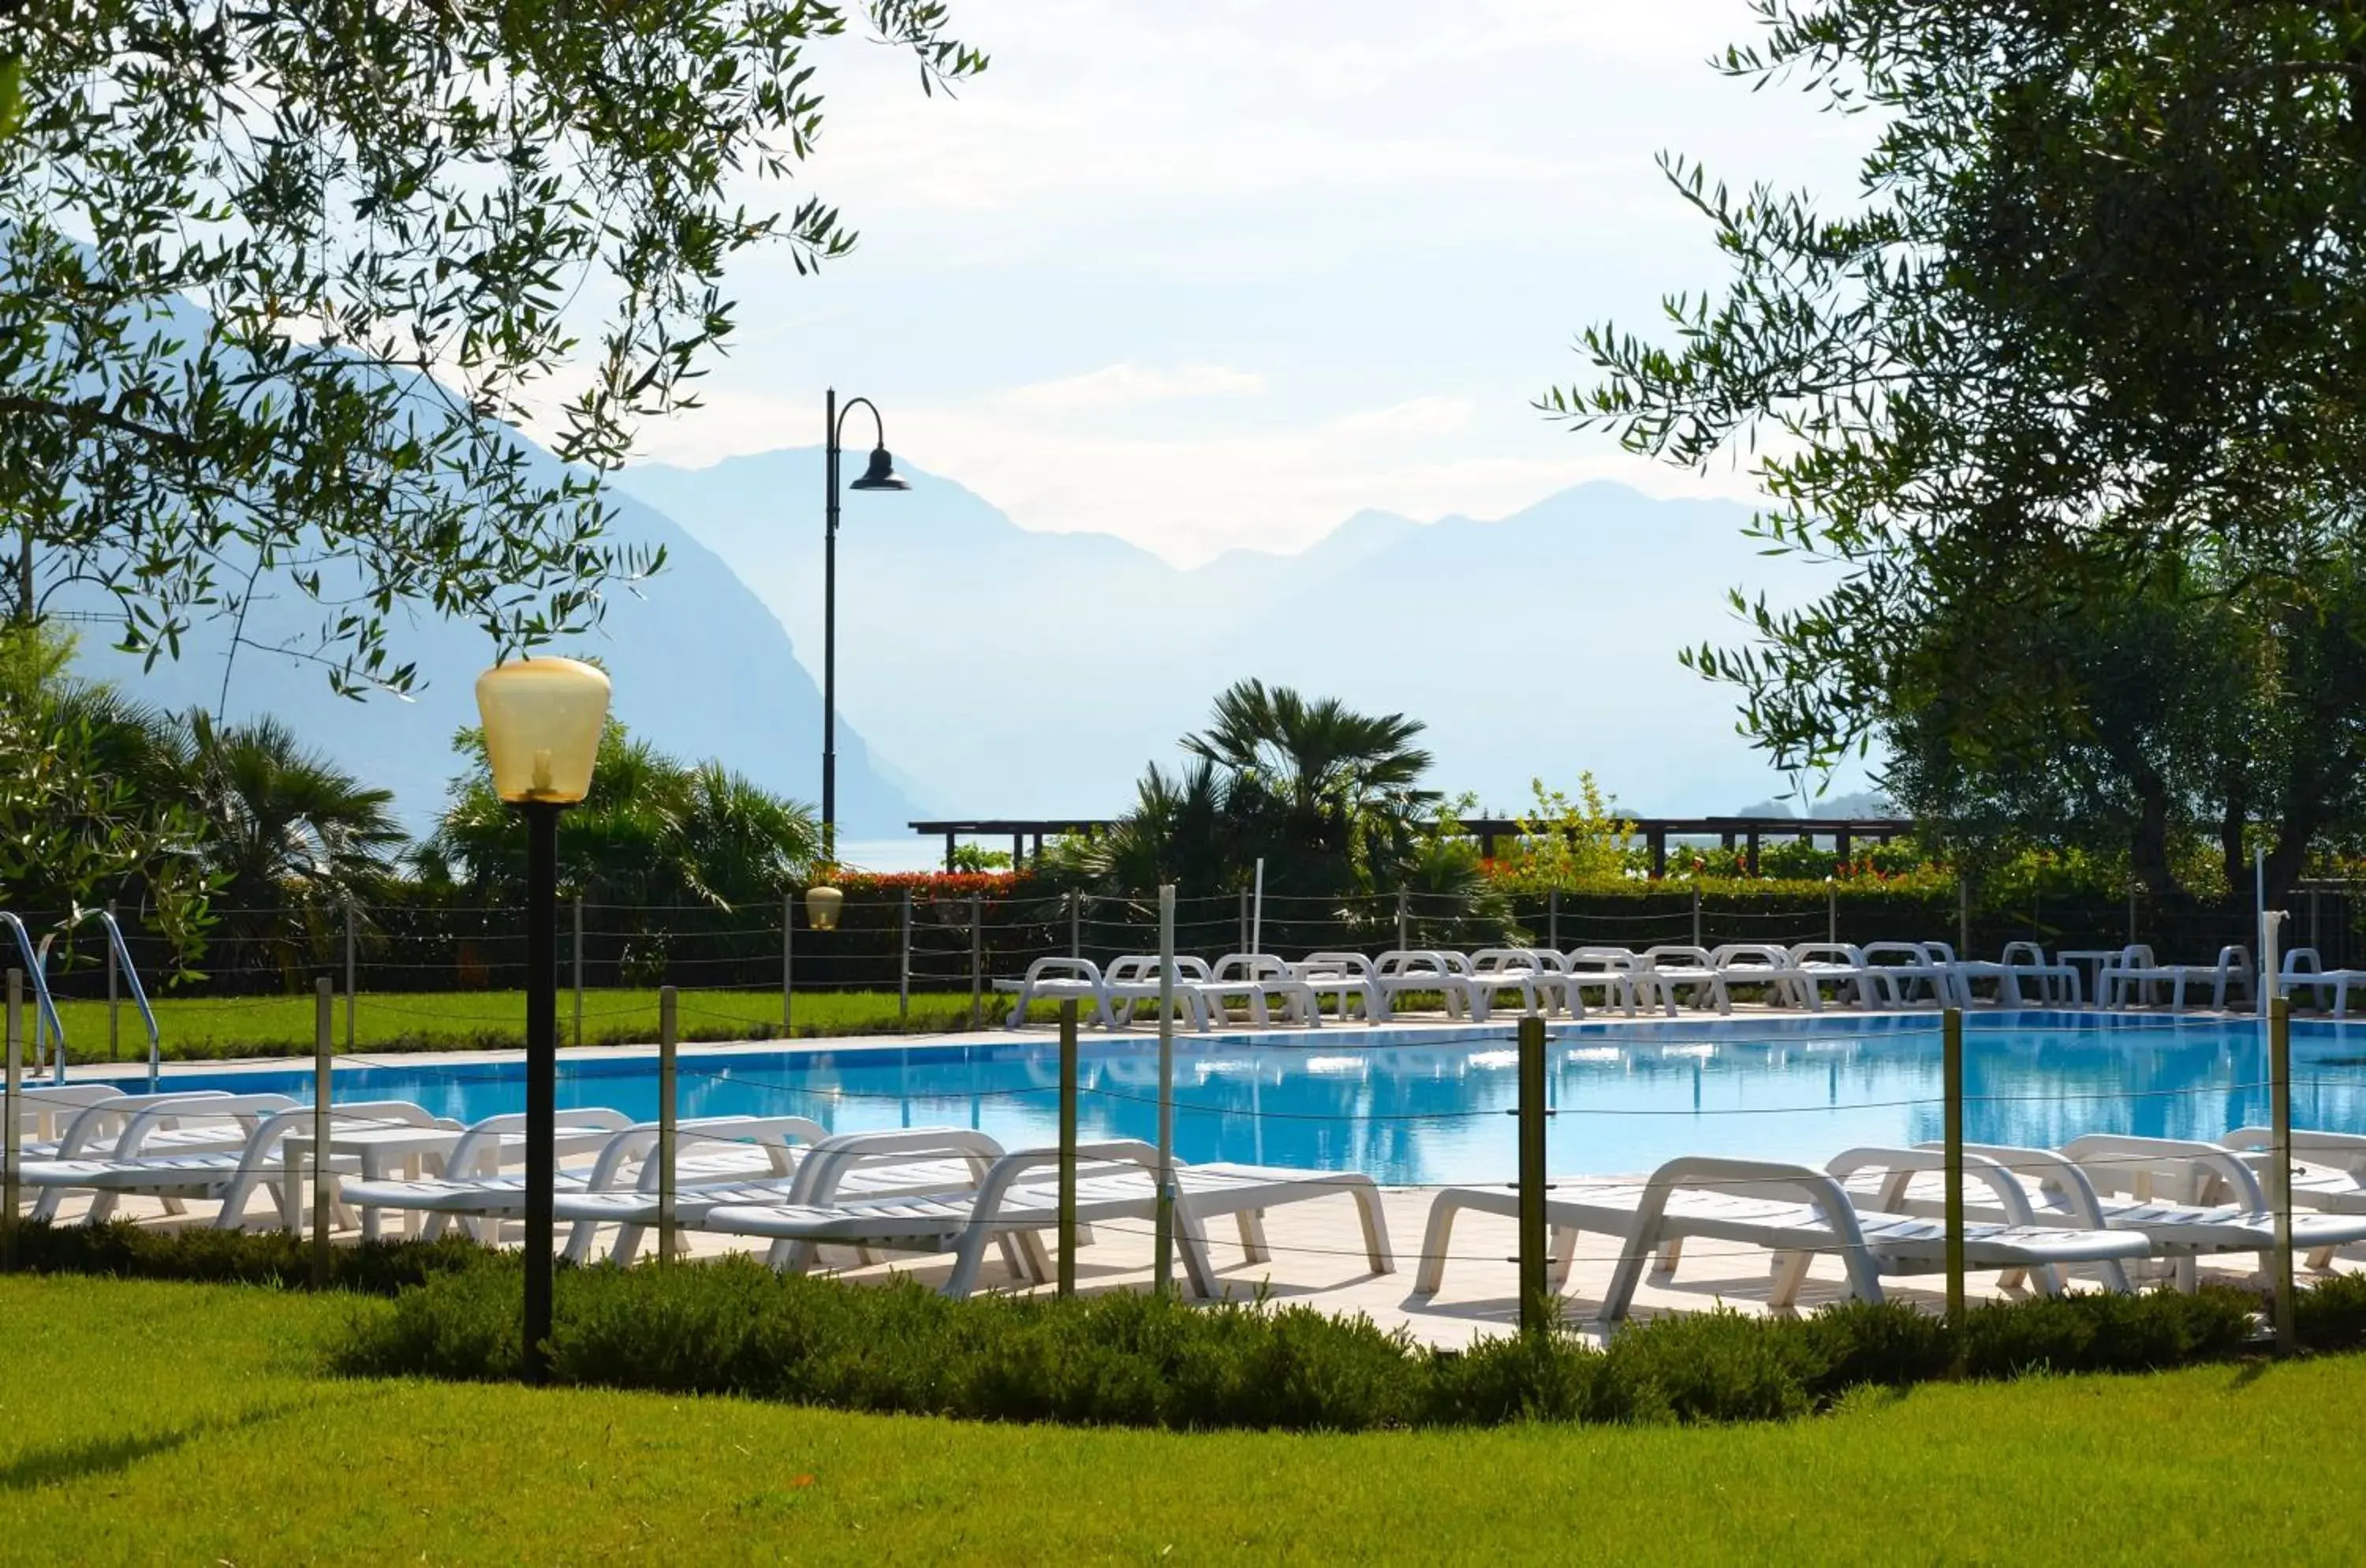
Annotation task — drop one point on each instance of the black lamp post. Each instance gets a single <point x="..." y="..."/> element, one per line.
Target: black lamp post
<point x="542" y="734"/>
<point x="880" y="475"/>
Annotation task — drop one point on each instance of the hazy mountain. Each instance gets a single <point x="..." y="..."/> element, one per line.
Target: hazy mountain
<point x="701" y="668"/>
<point x="1855" y="803"/>
<point x="1023" y="673"/>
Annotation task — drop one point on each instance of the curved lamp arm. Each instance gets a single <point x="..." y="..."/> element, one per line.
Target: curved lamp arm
<point x="878" y="425"/>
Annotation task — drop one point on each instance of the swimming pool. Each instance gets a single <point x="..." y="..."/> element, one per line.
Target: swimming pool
<point x="1628" y="1094"/>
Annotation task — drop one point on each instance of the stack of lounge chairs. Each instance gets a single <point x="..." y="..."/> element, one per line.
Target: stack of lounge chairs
<point x="1337" y="987"/>
<point x="2104" y="1203"/>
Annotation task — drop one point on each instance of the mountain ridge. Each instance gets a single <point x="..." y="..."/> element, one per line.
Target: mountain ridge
<point x="1020" y="672"/>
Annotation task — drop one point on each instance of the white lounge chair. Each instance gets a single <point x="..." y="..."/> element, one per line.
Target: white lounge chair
<point x="2055" y="981"/>
<point x="1399" y="973"/>
<point x="1768" y="964"/>
<point x="1496" y="970"/>
<point x="2140" y="973"/>
<point x="71" y="1125"/>
<point x="1058" y="980"/>
<point x="1794" y="1211"/>
<point x="1133" y="980"/>
<point x="2186" y="1199"/>
<point x="1911" y="972"/>
<point x="898" y="1162"/>
<point x="2304" y="971"/>
<point x="1967" y="972"/>
<point x="1842" y="966"/>
<point x="1346" y="979"/>
<point x="222" y="1123"/>
<point x="1615" y="971"/>
<point x="1010" y="1202"/>
<point x="2329" y="1169"/>
<point x="1882" y="1180"/>
<point x="1253" y="979"/>
<point x="44" y="1110"/>
<point x="1674" y="966"/>
<point x="479" y="1191"/>
<point x="231" y="1175"/>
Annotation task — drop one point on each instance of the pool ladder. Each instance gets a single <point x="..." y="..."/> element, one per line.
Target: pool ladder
<point x="45" y="1015"/>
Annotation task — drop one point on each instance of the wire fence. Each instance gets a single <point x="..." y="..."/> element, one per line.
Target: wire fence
<point x="911" y="942"/>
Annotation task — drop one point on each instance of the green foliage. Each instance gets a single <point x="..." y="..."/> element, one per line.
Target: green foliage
<point x="1331" y="800"/>
<point x="732" y="1326"/>
<point x="128" y="1251"/>
<point x="278" y="283"/>
<point x="976" y="860"/>
<point x="653" y="831"/>
<point x="2055" y="393"/>
<point x="87" y="801"/>
<point x="1567" y="843"/>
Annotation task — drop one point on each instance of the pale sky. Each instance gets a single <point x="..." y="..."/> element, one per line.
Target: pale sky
<point x="1222" y="274"/>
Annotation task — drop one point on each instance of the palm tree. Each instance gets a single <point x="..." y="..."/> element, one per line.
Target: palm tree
<point x="1329" y="798"/>
<point x="291" y="838"/>
<point x="735" y="843"/>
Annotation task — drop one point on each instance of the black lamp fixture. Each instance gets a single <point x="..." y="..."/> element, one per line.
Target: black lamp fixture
<point x="879" y="474"/>
<point x="542" y="719"/>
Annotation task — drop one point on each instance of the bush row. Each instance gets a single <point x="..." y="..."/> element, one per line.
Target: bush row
<point x="126" y="1251"/>
<point x="732" y="1326"/>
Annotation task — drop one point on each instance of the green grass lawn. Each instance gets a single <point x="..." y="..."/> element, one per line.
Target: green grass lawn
<point x="189" y="1424"/>
<point x="206" y="1029"/>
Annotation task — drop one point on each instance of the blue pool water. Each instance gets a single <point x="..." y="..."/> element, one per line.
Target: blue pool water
<point x="1628" y="1095"/>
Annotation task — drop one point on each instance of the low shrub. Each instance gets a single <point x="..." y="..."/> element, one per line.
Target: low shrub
<point x="250" y="1257"/>
<point x="733" y="1328"/>
<point x="2331" y="1314"/>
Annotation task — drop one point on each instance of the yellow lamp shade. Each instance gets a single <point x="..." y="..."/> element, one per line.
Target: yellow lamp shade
<point x="822" y="905"/>
<point x="542" y="727"/>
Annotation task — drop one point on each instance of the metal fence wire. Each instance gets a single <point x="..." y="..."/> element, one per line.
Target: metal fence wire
<point x="916" y="941"/>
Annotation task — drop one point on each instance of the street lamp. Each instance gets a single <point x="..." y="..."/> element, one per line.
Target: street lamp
<point x="880" y="475"/>
<point x="542" y="734"/>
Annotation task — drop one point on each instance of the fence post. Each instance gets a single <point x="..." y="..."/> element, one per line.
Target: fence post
<point x="1696" y="919"/>
<point x="1951" y="1036"/>
<point x="1534" y="1317"/>
<point x="788" y="962"/>
<point x="1162" y="1265"/>
<point x="14" y="1133"/>
<point x="1076" y="924"/>
<point x="903" y="969"/>
<point x="349" y="985"/>
<point x="2280" y="1188"/>
<point x="1245" y="922"/>
<point x="1068" y="1147"/>
<point x="1832" y="912"/>
<point x="578" y="971"/>
<point x="977" y="961"/>
<point x="1404" y="921"/>
<point x="667" y="1034"/>
<point x="1553" y="919"/>
<point x="323" y="1026"/>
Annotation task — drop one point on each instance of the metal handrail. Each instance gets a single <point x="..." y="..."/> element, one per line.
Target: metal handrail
<point x="48" y="1009"/>
<point x="139" y="992"/>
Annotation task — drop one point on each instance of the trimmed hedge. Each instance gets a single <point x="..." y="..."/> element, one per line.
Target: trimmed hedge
<point x="206" y="1256"/>
<point x="732" y="1326"/>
